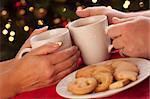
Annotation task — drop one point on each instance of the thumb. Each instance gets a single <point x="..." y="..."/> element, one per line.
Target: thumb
<point x="116" y="20"/>
<point x="38" y="31"/>
<point x="91" y="11"/>
<point x="46" y="49"/>
<point x="83" y="12"/>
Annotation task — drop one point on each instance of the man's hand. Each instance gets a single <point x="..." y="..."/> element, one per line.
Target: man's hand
<point x="131" y="35"/>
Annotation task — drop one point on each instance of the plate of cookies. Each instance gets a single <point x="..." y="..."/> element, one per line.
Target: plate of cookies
<point x="104" y="79"/>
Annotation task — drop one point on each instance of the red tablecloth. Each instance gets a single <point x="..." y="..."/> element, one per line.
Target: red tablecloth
<point x="140" y="91"/>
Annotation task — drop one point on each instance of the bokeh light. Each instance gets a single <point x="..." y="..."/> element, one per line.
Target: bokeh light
<point x="126" y="4"/>
<point x="41" y="10"/>
<point x="22" y="11"/>
<point x="57" y="20"/>
<point x="7" y="26"/>
<point x="4" y="12"/>
<point x="26" y="28"/>
<point x="12" y="33"/>
<point x="23" y="2"/>
<point x="40" y="22"/>
<point x="31" y="9"/>
<point x="64" y="10"/>
<point x="94" y="1"/>
<point x="11" y="39"/>
<point x="141" y="4"/>
<point x="5" y="32"/>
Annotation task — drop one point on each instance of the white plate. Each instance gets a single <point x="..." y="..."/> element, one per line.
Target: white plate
<point x="144" y="66"/>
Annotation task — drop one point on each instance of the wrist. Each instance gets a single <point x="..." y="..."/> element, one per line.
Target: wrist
<point x="8" y="86"/>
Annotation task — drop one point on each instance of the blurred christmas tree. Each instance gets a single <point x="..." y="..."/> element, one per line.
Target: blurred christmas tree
<point x="19" y="18"/>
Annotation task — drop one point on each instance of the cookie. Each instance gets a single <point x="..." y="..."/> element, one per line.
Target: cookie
<point x="85" y="72"/>
<point x="124" y="74"/>
<point x="104" y="80"/>
<point x="124" y="65"/>
<point x="103" y="68"/>
<point x="119" y="84"/>
<point x="82" y="86"/>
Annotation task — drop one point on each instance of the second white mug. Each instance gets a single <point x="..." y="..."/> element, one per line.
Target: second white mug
<point x="89" y="35"/>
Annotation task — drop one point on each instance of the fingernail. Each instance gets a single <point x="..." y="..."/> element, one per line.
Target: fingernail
<point x="59" y="43"/>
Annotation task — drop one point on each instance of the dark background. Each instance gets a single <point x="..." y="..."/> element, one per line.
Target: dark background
<point x="18" y="18"/>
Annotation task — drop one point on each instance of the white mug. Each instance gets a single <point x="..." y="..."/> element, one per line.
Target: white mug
<point x="54" y="35"/>
<point x="89" y="34"/>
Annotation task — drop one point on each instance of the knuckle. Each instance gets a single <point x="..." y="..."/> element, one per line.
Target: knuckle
<point x="48" y="73"/>
<point x="68" y="52"/>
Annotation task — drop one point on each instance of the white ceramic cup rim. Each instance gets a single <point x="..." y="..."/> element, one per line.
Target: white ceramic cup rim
<point x="97" y="19"/>
<point x="62" y="30"/>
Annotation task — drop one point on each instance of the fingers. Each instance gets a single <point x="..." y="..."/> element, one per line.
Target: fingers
<point x="91" y="11"/>
<point x="116" y="20"/>
<point x="46" y="49"/>
<point x="64" y="73"/>
<point x="56" y="78"/>
<point x="83" y="12"/>
<point x="120" y="26"/>
<point x="114" y="31"/>
<point x="66" y="64"/>
<point x="118" y="43"/>
<point x="37" y="31"/>
<point x="63" y="55"/>
<point x="51" y="81"/>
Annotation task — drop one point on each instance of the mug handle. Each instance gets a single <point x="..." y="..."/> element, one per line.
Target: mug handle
<point x="25" y="50"/>
<point x="110" y="46"/>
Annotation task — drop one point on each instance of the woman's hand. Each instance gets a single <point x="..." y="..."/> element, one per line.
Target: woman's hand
<point x="131" y="36"/>
<point x="42" y="67"/>
<point x="110" y="13"/>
